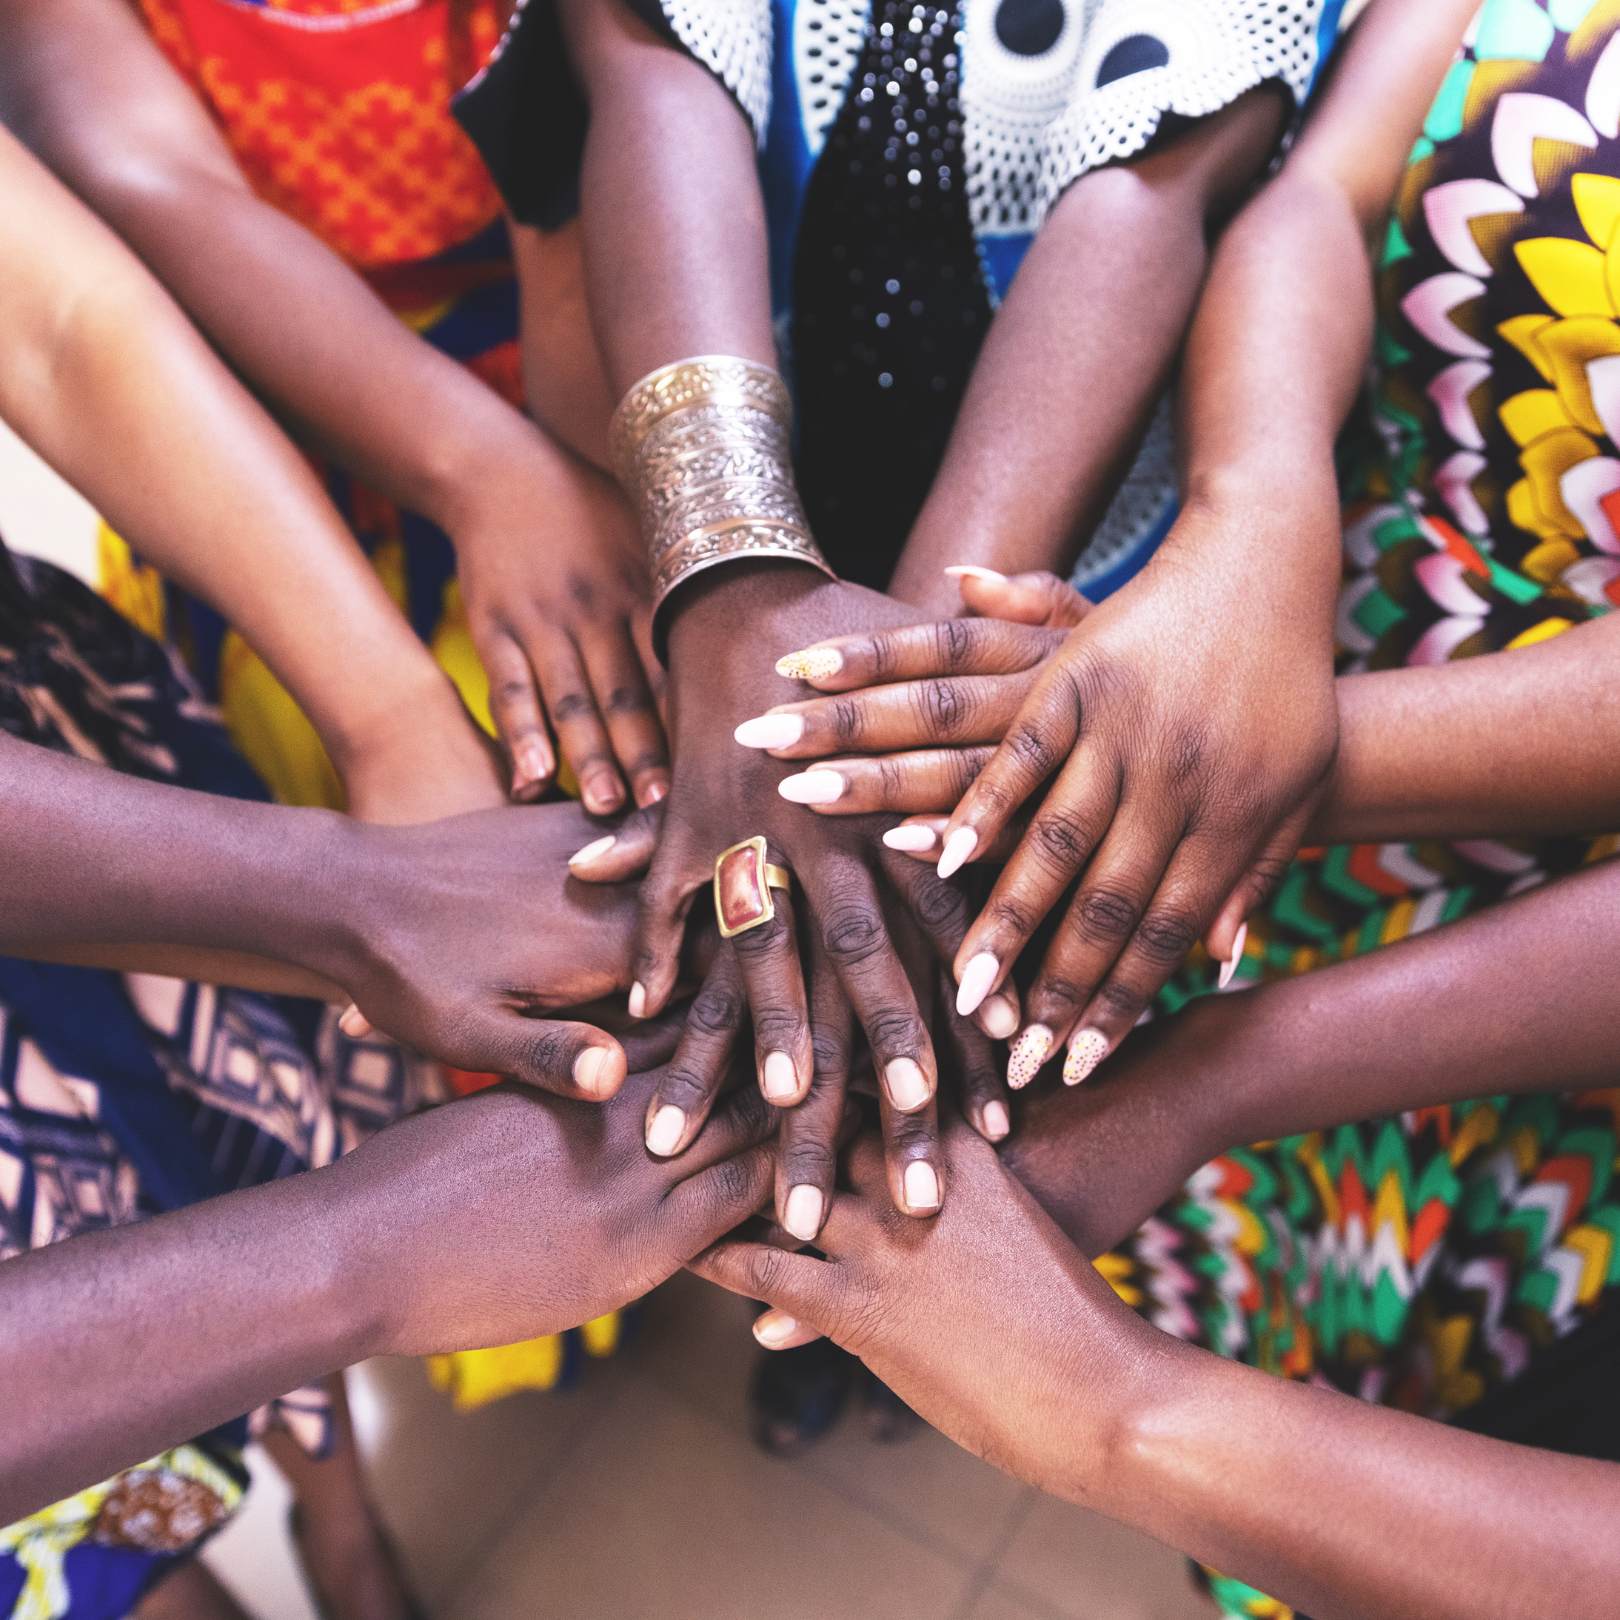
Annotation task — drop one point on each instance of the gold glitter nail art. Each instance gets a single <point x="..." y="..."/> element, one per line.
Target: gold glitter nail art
<point x="813" y="664"/>
<point x="1086" y="1051"/>
<point x="1027" y="1055"/>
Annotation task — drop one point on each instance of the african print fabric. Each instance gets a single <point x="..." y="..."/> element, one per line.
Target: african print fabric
<point x="122" y="1096"/>
<point x="1424" y="1261"/>
<point x="909" y="152"/>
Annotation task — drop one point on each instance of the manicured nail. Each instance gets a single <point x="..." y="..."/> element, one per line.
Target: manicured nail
<point x="813" y="664"/>
<point x="592" y="851"/>
<point x="974" y="571"/>
<point x="773" y="1329"/>
<point x="638" y="1000"/>
<point x="998" y="1018"/>
<point x="911" y="840"/>
<point x="1086" y="1051"/>
<point x="652" y="793"/>
<point x="602" y="796"/>
<point x="978" y="978"/>
<point x="1027" y="1055"/>
<point x="802" y="1214"/>
<point x="532" y="762"/>
<point x="780" y="1082"/>
<point x="904" y="1082"/>
<point x="665" y="1132"/>
<point x="812" y="787"/>
<point x="996" y="1122"/>
<point x="770" y="731"/>
<point x="1230" y="967"/>
<point x="588" y="1067"/>
<point x="958" y="847"/>
<point x="921" y="1185"/>
<point x="354" y="1023"/>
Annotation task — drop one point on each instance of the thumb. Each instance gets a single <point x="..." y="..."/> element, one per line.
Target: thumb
<point x="1035" y="598"/>
<point x="1228" y="934"/>
<point x="569" y="1060"/>
<point x="624" y="853"/>
<point x="795" y="1283"/>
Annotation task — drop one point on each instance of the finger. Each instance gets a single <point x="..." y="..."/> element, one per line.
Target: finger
<point x="570" y="1060"/>
<point x="1036" y="598"/>
<point x="912" y="1158"/>
<point x="742" y="1121"/>
<point x="622" y="854"/>
<point x="979" y="1084"/>
<point x="651" y="668"/>
<point x="581" y="736"/>
<point x="626" y="705"/>
<point x="1229" y="932"/>
<point x="1112" y="906"/>
<point x="686" y="1090"/>
<point x="703" y="1208"/>
<point x="1066" y="828"/>
<point x="776" y="1330"/>
<point x="950" y="647"/>
<point x="807" y="1163"/>
<point x="854" y="933"/>
<point x="1038" y="743"/>
<point x="928" y="780"/>
<point x="355" y="1024"/>
<point x="663" y="901"/>
<point x="947" y="710"/>
<point x="941" y="911"/>
<point x="773" y="981"/>
<point x="807" y="1289"/>
<point x="514" y="705"/>
<point x="919" y="836"/>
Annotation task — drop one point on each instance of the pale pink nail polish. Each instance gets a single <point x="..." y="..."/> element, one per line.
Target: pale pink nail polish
<point x="770" y="731"/>
<point x="1229" y="968"/>
<point x="998" y="1017"/>
<point x="1028" y="1053"/>
<point x="978" y="978"/>
<point x="974" y="571"/>
<point x="1086" y="1051"/>
<point x="592" y="852"/>
<point x="812" y="787"/>
<point x="910" y="840"/>
<point x="958" y="847"/>
<point x="638" y="1000"/>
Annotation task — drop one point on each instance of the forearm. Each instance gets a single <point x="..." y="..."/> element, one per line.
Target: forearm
<point x="90" y="857"/>
<point x="94" y="98"/>
<point x="1423" y="752"/>
<point x="1096" y="313"/>
<point x="120" y="1344"/>
<point x="1425" y="1521"/>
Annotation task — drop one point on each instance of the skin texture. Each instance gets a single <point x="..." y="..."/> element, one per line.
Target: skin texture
<point x="675" y="251"/>
<point x="553" y="579"/>
<point x="1091" y="1404"/>
<point x="488" y="1221"/>
<point x="97" y="355"/>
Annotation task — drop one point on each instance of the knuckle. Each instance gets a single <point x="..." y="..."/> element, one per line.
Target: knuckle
<point x="912" y="1136"/>
<point x="1027" y="745"/>
<point x="548" y="1051"/>
<point x="765" y="940"/>
<point x="852" y="933"/>
<point x="895" y="1031"/>
<point x="568" y="706"/>
<point x="626" y="700"/>
<point x="882" y="653"/>
<point x="953" y="643"/>
<point x="941" y="706"/>
<point x="964" y="767"/>
<point x="1189" y="750"/>
<point x="1122" y="1002"/>
<point x="1105" y="914"/>
<point x="1007" y="915"/>
<point x="717" y="1011"/>
<point x="1057" y="990"/>
<point x="940" y="906"/>
<point x="687" y="1089"/>
<point x="1061" y="837"/>
<point x="731" y="1182"/>
<point x="831" y="1055"/>
<point x="1165" y="937"/>
<point x="810" y="1162"/>
<point x="766" y="1268"/>
<point x="848" y="722"/>
<point x="891" y="778"/>
<point x="776" y="1030"/>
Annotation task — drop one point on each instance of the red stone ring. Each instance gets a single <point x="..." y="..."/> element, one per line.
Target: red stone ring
<point x="743" y="880"/>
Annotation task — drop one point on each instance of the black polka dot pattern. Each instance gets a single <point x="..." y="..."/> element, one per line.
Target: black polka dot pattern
<point x="1135" y="54"/>
<point x="1030" y="27"/>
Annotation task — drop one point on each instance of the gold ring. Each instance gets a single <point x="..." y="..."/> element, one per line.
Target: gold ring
<point x="743" y="880"/>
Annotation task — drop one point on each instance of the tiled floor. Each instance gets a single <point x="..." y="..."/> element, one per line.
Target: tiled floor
<point x="639" y="1494"/>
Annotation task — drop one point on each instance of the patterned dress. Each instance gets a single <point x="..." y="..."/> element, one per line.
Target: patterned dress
<point x="122" y="1096"/>
<point x="1431" y="1261"/>
<point x="910" y="150"/>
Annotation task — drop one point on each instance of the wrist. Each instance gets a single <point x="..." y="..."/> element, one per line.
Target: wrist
<point x="360" y="1276"/>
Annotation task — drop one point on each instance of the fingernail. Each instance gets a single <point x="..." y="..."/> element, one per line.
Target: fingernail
<point x="770" y="731"/>
<point x="588" y="1067"/>
<point x="974" y="571"/>
<point x="1229" y="968"/>
<point x="978" y="977"/>
<point x="353" y="1023"/>
<point x="998" y="1018"/>
<point x="665" y="1131"/>
<point x="533" y="763"/>
<point x="904" y="1082"/>
<point x="1086" y="1051"/>
<point x="780" y="1082"/>
<point x="638" y="1000"/>
<point x="1027" y="1055"/>
<point x="603" y="797"/>
<point x="958" y="847"/>
<point x="812" y="787"/>
<point x="922" y="1185"/>
<point x="813" y="664"/>
<point x="996" y="1122"/>
<point x="593" y="851"/>
<point x="773" y="1329"/>
<point x="802" y="1213"/>
<point x="652" y="793"/>
<point x="912" y="840"/>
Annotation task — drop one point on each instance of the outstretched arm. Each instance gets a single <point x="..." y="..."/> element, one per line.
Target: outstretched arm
<point x="537" y="531"/>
